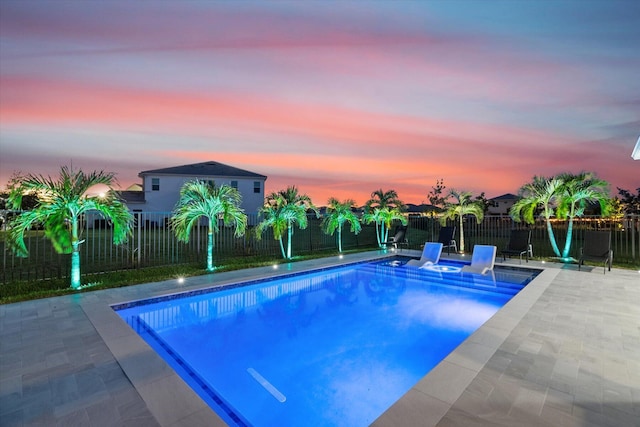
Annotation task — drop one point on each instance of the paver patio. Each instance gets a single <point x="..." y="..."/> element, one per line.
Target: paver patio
<point x="563" y="352"/>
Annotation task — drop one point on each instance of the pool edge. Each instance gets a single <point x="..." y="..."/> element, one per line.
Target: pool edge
<point x="172" y="402"/>
<point x="429" y="400"/>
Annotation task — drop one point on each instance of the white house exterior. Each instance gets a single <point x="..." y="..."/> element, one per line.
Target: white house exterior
<point x="501" y="204"/>
<point x="161" y="187"/>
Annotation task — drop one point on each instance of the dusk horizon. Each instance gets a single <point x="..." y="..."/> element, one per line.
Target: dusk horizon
<point x="338" y="99"/>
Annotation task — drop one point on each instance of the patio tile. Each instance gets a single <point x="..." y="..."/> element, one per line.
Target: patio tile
<point x="415" y="409"/>
<point x="567" y="353"/>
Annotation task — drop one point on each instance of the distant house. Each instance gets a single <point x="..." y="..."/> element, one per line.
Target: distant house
<point x="161" y="187"/>
<point x="500" y="205"/>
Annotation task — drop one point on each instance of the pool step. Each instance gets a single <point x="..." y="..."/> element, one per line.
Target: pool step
<point x="456" y="279"/>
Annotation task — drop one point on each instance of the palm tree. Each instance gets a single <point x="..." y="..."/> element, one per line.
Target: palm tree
<point x="577" y="190"/>
<point x="200" y="199"/>
<point x="61" y="205"/>
<point x="337" y="214"/>
<point x="286" y="206"/>
<point x="382" y="208"/>
<point x="463" y="206"/>
<point x="542" y="193"/>
<point x="274" y="216"/>
<point x="387" y="216"/>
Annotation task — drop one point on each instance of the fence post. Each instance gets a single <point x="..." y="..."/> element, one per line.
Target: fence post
<point x="635" y="224"/>
<point x="139" y="234"/>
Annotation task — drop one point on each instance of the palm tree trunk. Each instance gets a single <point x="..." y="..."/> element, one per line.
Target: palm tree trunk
<point x="340" y="239"/>
<point x="289" y="236"/>
<point x="75" y="255"/>
<point x="378" y="224"/>
<point x="284" y="255"/>
<point x="461" y="235"/>
<point x="567" y="242"/>
<point x="552" y="238"/>
<point x="210" y="247"/>
<point x="384" y="231"/>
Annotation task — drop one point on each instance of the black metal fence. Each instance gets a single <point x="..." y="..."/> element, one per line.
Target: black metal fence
<point x="153" y="243"/>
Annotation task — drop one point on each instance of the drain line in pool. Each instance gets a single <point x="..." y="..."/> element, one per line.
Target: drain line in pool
<point x="267" y="385"/>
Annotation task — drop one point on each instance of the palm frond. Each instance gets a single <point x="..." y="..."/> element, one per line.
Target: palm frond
<point x="199" y="199"/>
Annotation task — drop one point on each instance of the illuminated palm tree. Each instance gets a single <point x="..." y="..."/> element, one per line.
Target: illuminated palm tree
<point x="61" y="205"/>
<point x="387" y="216"/>
<point x="287" y="206"/>
<point x="577" y="190"/>
<point x="337" y="214"/>
<point x="274" y="216"/>
<point x="564" y="196"/>
<point x="542" y="193"/>
<point x="200" y="199"/>
<point x="382" y="208"/>
<point x="463" y="206"/>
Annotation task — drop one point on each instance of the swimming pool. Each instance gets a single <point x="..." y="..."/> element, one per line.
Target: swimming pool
<point x="331" y="347"/>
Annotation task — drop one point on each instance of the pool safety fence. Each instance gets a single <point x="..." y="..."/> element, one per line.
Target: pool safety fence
<point x="153" y="243"/>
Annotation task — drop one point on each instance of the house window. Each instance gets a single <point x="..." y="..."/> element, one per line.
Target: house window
<point x="234" y="184"/>
<point x="155" y="184"/>
<point x="256" y="186"/>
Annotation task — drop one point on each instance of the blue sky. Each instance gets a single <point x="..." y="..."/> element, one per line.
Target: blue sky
<point x="338" y="98"/>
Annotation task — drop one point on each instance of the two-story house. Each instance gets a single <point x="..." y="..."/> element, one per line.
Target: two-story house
<point x="161" y="187"/>
<point x="500" y="205"/>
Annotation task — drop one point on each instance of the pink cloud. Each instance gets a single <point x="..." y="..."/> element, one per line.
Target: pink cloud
<point x="345" y="152"/>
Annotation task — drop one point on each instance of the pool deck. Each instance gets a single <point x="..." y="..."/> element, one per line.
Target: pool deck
<point x="564" y="352"/>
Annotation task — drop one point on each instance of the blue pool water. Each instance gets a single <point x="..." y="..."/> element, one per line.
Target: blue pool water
<point x="326" y="348"/>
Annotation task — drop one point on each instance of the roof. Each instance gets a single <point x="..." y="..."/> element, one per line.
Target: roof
<point x="129" y="196"/>
<point x="204" y="169"/>
<point x="423" y="208"/>
<point x="505" y="197"/>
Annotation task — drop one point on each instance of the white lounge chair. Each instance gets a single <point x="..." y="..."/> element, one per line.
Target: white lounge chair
<point x="482" y="260"/>
<point x="430" y="255"/>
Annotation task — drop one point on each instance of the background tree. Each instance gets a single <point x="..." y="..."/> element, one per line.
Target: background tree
<point x="486" y="204"/>
<point x="200" y="199"/>
<point x="462" y="205"/>
<point x="437" y="196"/>
<point x="29" y="201"/>
<point x="629" y="202"/>
<point x="290" y="207"/>
<point x="61" y="205"/>
<point x="383" y="208"/>
<point x="337" y="214"/>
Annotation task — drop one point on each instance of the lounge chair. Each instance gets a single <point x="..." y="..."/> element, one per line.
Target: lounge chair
<point x="519" y="244"/>
<point x="400" y="238"/>
<point x="446" y="238"/>
<point x="430" y="255"/>
<point x="482" y="260"/>
<point x="597" y="247"/>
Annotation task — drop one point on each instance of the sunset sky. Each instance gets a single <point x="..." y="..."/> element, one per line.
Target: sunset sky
<point x="338" y="98"/>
